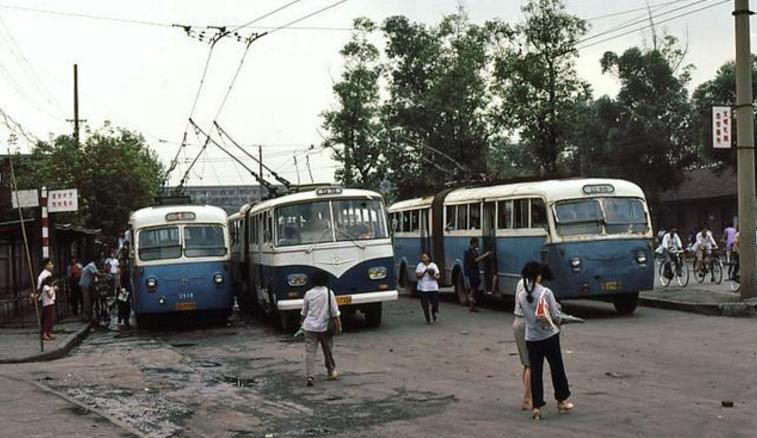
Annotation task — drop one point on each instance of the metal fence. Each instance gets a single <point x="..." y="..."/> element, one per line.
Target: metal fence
<point x="20" y="311"/>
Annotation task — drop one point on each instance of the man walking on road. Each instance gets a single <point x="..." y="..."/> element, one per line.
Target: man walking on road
<point x="472" y="277"/>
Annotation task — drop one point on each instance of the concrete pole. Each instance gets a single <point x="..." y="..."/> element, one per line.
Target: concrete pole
<point x="745" y="145"/>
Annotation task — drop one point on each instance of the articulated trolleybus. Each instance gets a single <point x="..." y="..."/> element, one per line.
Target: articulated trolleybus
<point x="278" y="244"/>
<point x="180" y="261"/>
<point x="595" y="234"/>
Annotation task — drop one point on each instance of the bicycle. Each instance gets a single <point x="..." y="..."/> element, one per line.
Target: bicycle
<point x="734" y="275"/>
<point x="680" y="273"/>
<point x="102" y="307"/>
<point x="711" y="264"/>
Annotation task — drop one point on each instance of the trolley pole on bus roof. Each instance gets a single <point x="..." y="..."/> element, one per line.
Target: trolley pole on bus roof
<point x="745" y="149"/>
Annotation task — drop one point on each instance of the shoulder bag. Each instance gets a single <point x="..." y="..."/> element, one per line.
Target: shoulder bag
<point x="333" y="328"/>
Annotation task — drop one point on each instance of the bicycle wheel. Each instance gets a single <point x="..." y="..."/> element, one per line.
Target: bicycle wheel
<point x="682" y="274"/>
<point x="717" y="271"/>
<point x="699" y="272"/>
<point x="664" y="281"/>
<point x="734" y="282"/>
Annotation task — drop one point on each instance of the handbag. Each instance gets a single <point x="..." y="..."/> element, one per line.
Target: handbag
<point x="543" y="316"/>
<point x="333" y="328"/>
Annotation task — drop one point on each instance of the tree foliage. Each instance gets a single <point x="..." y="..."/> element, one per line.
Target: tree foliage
<point x="537" y="82"/>
<point x="114" y="171"/>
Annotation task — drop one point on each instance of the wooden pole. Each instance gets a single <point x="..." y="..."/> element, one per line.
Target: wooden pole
<point x="28" y="254"/>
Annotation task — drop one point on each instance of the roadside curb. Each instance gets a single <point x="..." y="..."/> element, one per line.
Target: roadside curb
<point x="68" y="345"/>
<point x="116" y="422"/>
<point x="724" y="309"/>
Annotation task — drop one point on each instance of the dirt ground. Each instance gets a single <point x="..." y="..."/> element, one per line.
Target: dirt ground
<point x="653" y="373"/>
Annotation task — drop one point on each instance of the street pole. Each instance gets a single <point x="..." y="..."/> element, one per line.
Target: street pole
<point x="745" y="147"/>
<point x="76" y="104"/>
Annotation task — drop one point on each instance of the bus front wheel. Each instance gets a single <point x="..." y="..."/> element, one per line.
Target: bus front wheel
<point x="373" y="313"/>
<point x="626" y="304"/>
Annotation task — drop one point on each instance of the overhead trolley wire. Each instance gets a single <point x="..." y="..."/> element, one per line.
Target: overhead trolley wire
<point x="630" y="11"/>
<point x="651" y="25"/>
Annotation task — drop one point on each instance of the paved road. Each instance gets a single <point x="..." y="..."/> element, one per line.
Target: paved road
<point x="654" y="373"/>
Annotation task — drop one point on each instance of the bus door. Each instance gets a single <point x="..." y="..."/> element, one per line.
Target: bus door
<point x="489" y="243"/>
<point x="425" y="231"/>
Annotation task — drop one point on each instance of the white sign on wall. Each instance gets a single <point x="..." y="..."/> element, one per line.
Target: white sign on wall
<point x="62" y="200"/>
<point x="27" y="198"/>
<point x="722" y="132"/>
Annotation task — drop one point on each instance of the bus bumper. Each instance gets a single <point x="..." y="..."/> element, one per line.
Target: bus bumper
<point x="348" y="299"/>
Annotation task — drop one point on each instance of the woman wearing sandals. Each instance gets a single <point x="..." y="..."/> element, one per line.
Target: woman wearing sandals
<point x="543" y="337"/>
<point x="519" y="331"/>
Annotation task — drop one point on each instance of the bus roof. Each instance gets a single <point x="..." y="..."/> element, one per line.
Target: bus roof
<point x="550" y="190"/>
<point x="312" y="195"/>
<point x="151" y="216"/>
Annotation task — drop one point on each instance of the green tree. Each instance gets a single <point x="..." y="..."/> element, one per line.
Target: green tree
<point x="438" y="101"/>
<point x="114" y="171"/>
<point x="720" y="91"/>
<point x="354" y="127"/>
<point x="537" y="83"/>
<point x="644" y="134"/>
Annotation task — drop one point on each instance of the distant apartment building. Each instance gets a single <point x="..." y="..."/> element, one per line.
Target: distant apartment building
<point x="230" y="198"/>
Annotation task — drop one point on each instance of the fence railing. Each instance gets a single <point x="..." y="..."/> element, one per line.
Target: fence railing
<point x="20" y="311"/>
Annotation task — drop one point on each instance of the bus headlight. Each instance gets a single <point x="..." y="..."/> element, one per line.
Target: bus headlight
<point x="641" y="257"/>
<point x="151" y="283"/>
<point x="575" y="264"/>
<point x="377" y="273"/>
<point x="218" y="278"/>
<point x="297" y="280"/>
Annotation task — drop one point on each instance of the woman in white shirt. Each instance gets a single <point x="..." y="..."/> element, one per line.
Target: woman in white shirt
<point x="318" y="307"/>
<point x="48" y="308"/>
<point x="427" y="274"/>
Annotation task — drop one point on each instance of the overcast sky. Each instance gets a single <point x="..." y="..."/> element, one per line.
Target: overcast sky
<point x="145" y="77"/>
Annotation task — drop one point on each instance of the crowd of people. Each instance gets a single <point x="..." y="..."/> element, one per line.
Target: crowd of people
<point x="106" y="276"/>
<point x="701" y="243"/>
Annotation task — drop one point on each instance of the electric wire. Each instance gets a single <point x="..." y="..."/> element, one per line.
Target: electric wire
<point x="651" y="25"/>
<point x="630" y="11"/>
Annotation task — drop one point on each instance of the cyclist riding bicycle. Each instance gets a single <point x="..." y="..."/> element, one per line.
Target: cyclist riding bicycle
<point x="671" y="244"/>
<point x="704" y="245"/>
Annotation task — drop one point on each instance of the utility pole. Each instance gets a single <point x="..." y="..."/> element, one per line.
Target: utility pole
<point x="76" y="119"/>
<point x="745" y="147"/>
<point x="260" y="169"/>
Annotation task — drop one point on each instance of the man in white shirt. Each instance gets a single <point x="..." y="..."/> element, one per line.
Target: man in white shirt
<point x="705" y="243"/>
<point x="112" y="264"/>
<point x="427" y="274"/>
<point x="318" y="307"/>
<point x="671" y="243"/>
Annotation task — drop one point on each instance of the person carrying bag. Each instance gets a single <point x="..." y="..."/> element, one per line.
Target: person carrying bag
<point x="320" y="322"/>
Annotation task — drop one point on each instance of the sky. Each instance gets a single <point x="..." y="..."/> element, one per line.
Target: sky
<point x="145" y="77"/>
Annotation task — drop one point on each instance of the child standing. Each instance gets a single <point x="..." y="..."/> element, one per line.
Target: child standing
<point x="48" y="308"/>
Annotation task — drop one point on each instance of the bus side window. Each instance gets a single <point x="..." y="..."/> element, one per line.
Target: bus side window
<point x="504" y="215"/>
<point x="414" y="220"/>
<point x="475" y="216"/>
<point x="538" y="214"/>
<point x="462" y="217"/>
<point x="406" y="221"/>
<point x="520" y="211"/>
<point x="449" y="217"/>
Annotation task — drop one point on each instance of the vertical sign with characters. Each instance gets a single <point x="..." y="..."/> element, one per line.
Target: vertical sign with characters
<point x="721" y="127"/>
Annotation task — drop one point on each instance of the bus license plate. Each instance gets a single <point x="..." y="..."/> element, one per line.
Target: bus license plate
<point x="186" y="306"/>
<point x="611" y="286"/>
<point x="344" y="300"/>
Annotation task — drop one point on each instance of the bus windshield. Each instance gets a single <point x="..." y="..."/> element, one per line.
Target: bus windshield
<point x="598" y="215"/>
<point x="159" y="243"/>
<point x="204" y="241"/>
<point x="359" y="219"/>
<point x="301" y="224"/>
<point x="325" y="221"/>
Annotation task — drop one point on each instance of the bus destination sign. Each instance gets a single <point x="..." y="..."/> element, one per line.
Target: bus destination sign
<point x="596" y="189"/>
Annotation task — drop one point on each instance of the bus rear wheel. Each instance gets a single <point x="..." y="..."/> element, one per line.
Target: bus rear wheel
<point x="373" y="313"/>
<point x="626" y="304"/>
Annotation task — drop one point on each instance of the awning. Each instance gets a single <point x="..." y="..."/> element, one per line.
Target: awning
<point x="77" y="229"/>
<point x="11" y="230"/>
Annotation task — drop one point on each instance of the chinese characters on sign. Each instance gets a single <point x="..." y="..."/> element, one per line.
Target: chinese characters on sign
<point x="721" y="127"/>
<point x="62" y="200"/>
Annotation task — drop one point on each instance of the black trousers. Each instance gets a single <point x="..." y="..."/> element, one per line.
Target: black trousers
<point x="550" y="349"/>
<point x="75" y="299"/>
<point x="430" y="297"/>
